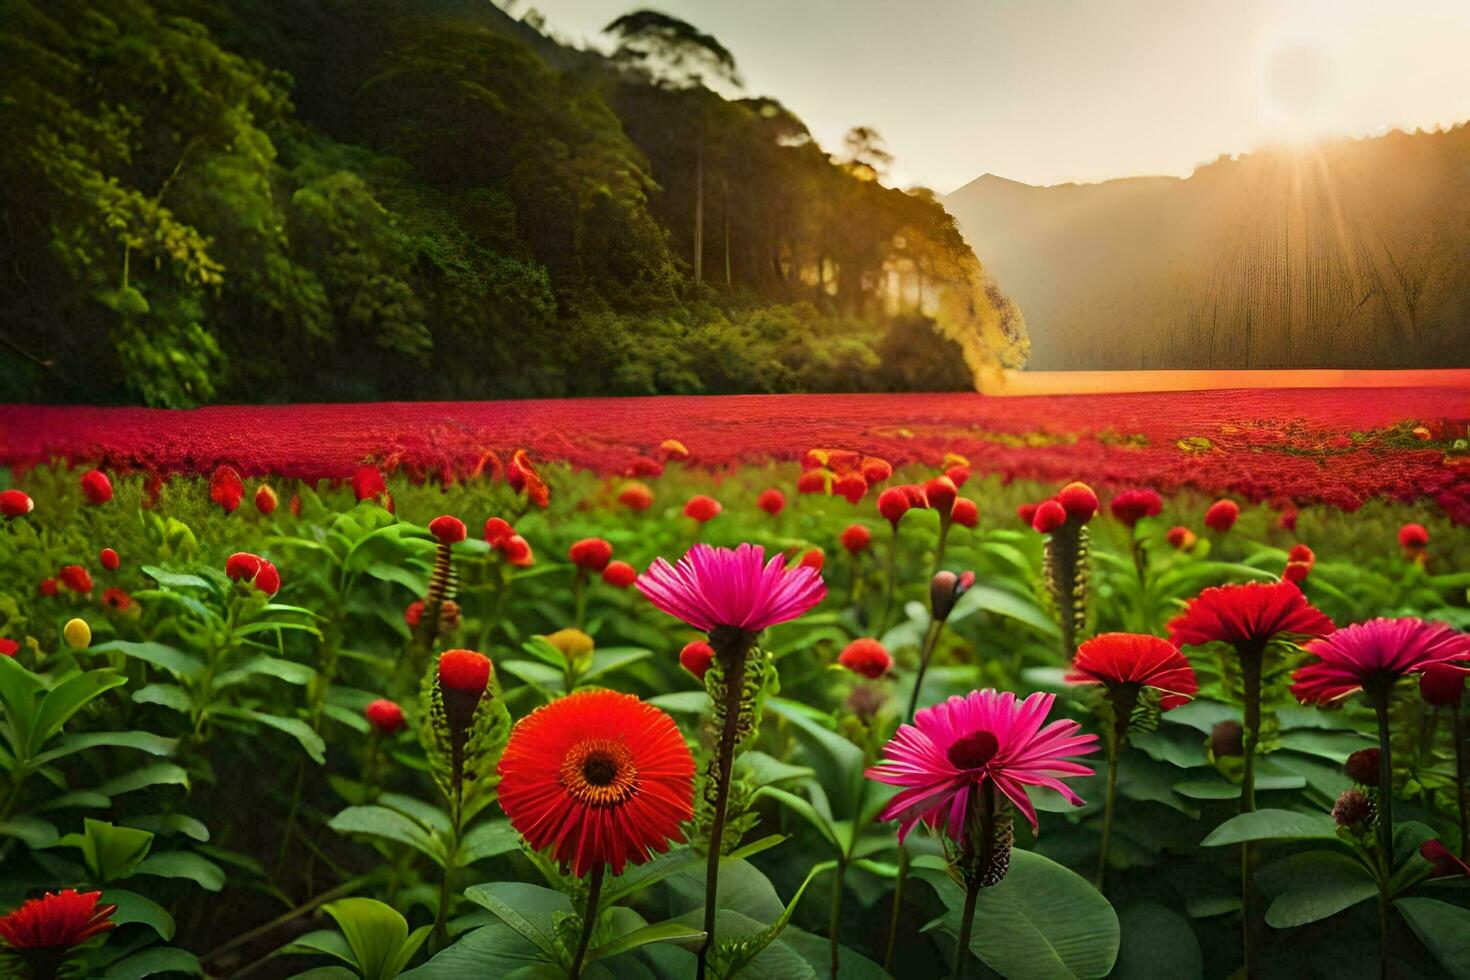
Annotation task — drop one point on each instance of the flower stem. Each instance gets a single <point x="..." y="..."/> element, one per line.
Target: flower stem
<point x="892" y="582"/>
<point x="903" y="873"/>
<point x="931" y="639"/>
<point x="594" y="892"/>
<point x="1107" y="827"/>
<point x="1385" y="782"/>
<point x="579" y="600"/>
<point x="732" y="653"/>
<point x="967" y="922"/>
<point x="944" y="525"/>
<point x="1462" y="777"/>
<point x="1251" y="666"/>
<point x="835" y="922"/>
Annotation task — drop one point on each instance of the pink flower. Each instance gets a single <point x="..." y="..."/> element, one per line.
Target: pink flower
<point x="1374" y="655"/>
<point x="712" y="587"/>
<point x="944" y="758"/>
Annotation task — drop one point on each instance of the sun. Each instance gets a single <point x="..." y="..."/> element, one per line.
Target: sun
<point x="1299" y="89"/>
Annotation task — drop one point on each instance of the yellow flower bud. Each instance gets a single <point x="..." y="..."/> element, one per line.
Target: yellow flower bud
<point x="78" y="634"/>
<point x="573" y="643"/>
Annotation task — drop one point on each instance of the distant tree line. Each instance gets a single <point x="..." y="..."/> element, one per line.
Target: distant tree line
<point x="318" y="199"/>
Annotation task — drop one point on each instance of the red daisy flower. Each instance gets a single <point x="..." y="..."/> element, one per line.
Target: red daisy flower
<point x="876" y="469"/>
<point x="117" y="600"/>
<point x="1132" y="506"/>
<point x="57" y="920"/>
<point x="385" y="716"/>
<point x="893" y="503"/>
<point x="226" y="488"/>
<point x="696" y="657"/>
<point x="600" y="778"/>
<point x="941" y="494"/>
<point x="447" y="529"/>
<point x="266" y="500"/>
<point x="1250" y="614"/>
<point x="1374" y="655"/>
<point x="619" y="574"/>
<point x="1050" y="515"/>
<point x="1079" y="501"/>
<point x="965" y="513"/>
<point x="867" y="657"/>
<point x="644" y="466"/>
<point x="852" y="486"/>
<point x="1222" y="515"/>
<point x="590" y="554"/>
<point x="16" y="503"/>
<point x="636" y="496"/>
<point x="1413" y="537"/>
<point x="1027" y="513"/>
<point x="1129" y="661"/>
<point x="96" y="487"/>
<point x="703" y="509"/>
<point x="856" y="538"/>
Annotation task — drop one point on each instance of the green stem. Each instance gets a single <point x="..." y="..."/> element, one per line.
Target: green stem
<point x="1107" y="827"/>
<point x="903" y="873"/>
<point x="967" y="922"/>
<point x="931" y="640"/>
<point x="579" y="600"/>
<point x="835" y="922"/>
<point x="1251" y="666"/>
<point x="589" y="919"/>
<point x="1462" y="777"/>
<point x="892" y="582"/>
<point x="446" y="884"/>
<point x="944" y="526"/>
<point x="732" y="653"/>
<point x="1385" y="781"/>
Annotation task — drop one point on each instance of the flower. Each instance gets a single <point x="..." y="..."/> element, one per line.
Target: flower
<point x="385" y="716"/>
<point x="109" y="559"/>
<point x="1373" y="655"/>
<point x="672" y="449"/>
<point x="813" y="558"/>
<point x="574" y="645"/>
<point x="590" y="554"/>
<point x="941" y="494"/>
<point x="1446" y="865"/>
<point x="965" y="513"/>
<point x="517" y="551"/>
<point x="414" y="614"/>
<point x="498" y="531"/>
<point x="1132" y="506"/>
<point x="8" y="647"/>
<point x="1413" y="538"/>
<point x="1027" y="513"/>
<point x="644" y="466"/>
<point x="447" y="529"/>
<point x="243" y="566"/>
<point x="1287" y="520"/>
<point x="266" y="500"/>
<point x="945" y="589"/>
<point x="1079" y="501"/>
<point x="959" y="474"/>
<point x="953" y="748"/>
<point x="226" y="488"/>
<point x="368" y="483"/>
<point x="295" y="505"/>
<point x="867" y="657"/>
<point x="57" y="920"/>
<point x="522" y="475"/>
<point x="703" y="509"/>
<point x="635" y="496"/>
<point x="876" y="469"/>
<point x="1250" y="614"/>
<point x="1181" y="537"/>
<point x="48" y="587"/>
<point x="852" y="486"/>
<point x="77" y="633"/>
<point x="1362" y="766"/>
<point x="1353" y="809"/>
<point x="268" y="579"/>
<point x="600" y="778"/>
<point x="464" y="670"/>
<point x="856" y="538"/>
<point x="713" y="587"/>
<point x="1296" y="572"/>
<point x="1227" y="738"/>
<point x="117" y="600"/>
<point x="96" y="487"/>
<point x="448" y="614"/>
<point x="893" y="503"/>
<point x="813" y="481"/>
<point x="1300" y="552"/>
<point x="1129" y="661"/>
<point x="696" y="657"/>
<point x="619" y="574"/>
<point x="1050" y="515"/>
<point x="76" y="578"/>
<point x="16" y="503"/>
<point x="1442" y="684"/>
<point x="1222" y="515"/>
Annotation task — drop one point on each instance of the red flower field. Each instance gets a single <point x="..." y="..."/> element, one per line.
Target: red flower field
<point x="1338" y="446"/>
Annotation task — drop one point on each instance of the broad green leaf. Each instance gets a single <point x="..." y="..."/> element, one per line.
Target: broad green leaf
<point x="1156" y="942"/>
<point x="1442" y="927"/>
<point x="613" y="659"/>
<point x="184" y="864"/>
<point x="156" y="774"/>
<point x="143" y="741"/>
<point x="310" y="741"/>
<point x="487" y="840"/>
<point x="988" y="598"/>
<point x="169" y="658"/>
<point x="34" y="831"/>
<point x="380" y="821"/>
<point x="132" y="907"/>
<point x="528" y="909"/>
<point x="152" y="961"/>
<point x="1313" y="885"/>
<point x="166" y="695"/>
<point x="661" y="932"/>
<point x="176" y="580"/>
<point x="377" y="934"/>
<point x="110" y="853"/>
<point x="67" y="698"/>
<point x="286" y="670"/>
<point x="495" y="950"/>
<point x="803" y="809"/>
<point x="1272" y="825"/>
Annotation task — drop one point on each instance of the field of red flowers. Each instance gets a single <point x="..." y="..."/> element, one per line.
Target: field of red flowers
<point x="1288" y="446"/>
<point x="851" y="687"/>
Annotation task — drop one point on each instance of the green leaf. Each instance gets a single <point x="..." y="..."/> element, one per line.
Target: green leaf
<point x="1041" y="922"/>
<point x="135" y="908"/>
<point x="1443" y="928"/>
<point x="1313" y="885"/>
<point x="286" y="670"/>
<point x="328" y="942"/>
<point x="380" y="821"/>
<point x="661" y="932"/>
<point x="152" y="961"/>
<point x="1003" y="603"/>
<point x="166" y="695"/>
<point x="184" y="864"/>
<point x="528" y="909"/>
<point x="377" y="935"/>
<point x="487" y="840"/>
<point x="175" y="580"/>
<point x="1272" y="825"/>
<point x="495" y="950"/>
<point x="109" y="852"/>
<point x="803" y="809"/>
<point x="157" y="774"/>
<point x="1157" y="942"/>
<point x="34" y="831"/>
<point x="143" y="741"/>
<point x="613" y="659"/>
<point x="69" y="697"/>
<point x="172" y="659"/>
<point x="295" y="727"/>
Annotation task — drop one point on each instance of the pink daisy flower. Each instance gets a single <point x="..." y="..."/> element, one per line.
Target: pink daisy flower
<point x="713" y="587"/>
<point x="943" y="759"/>
<point x="1374" y="655"/>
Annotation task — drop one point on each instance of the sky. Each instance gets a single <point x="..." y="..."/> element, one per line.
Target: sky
<point x="1051" y="91"/>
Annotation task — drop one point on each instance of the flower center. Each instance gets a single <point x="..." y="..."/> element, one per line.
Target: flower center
<point x="599" y="772"/>
<point x="974" y="750"/>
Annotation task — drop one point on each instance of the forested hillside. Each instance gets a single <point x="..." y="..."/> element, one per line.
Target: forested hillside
<point x="1348" y="254"/>
<point x="208" y="201"/>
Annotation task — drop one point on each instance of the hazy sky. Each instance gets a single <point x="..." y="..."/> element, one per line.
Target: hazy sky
<point x="1048" y="91"/>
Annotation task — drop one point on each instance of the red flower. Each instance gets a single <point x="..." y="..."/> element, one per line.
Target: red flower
<point x="1287" y="520"/>
<point x="866" y="657"/>
<point x="76" y="578"/>
<point x="1443" y="684"/>
<point x="226" y="488"/>
<point x="48" y="587"/>
<point x="464" y="670"/>
<point x="876" y="469"/>
<point x="771" y="501"/>
<point x="1079" y="501"/>
<point x="8" y="647"/>
<point x="517" y="551"/>
<point x="295" y="505"/>
<point x="1413" y="537"/>
<point x="16" y="503"/>
<point x="57" y="920"/>
<point x="600" y="778"/>
<point x="1250" y="614"/>
<point x="1132" y="506"/>
<point x="965" y="513"/>
<point x="268" y="579"/>
<point x="941" y="493"/>
<point x="813" y="481"/>
<point x="959" y="475"/>
<point x="116" y="599"/>
<point x="1027" y="513"/>
<point x="856" y="538"/>
<point x="1129" y="661"/>
<point x="1446" y="865"/>
<point x="96" y="487"/>
<point x="385" y="716"/>
<point x="368" y="483"/>
<point x="696" y="657"/>
<point x="619" y="574"/>
<point x="414" y="614"/>
<point x="590" y="554"/>
<point x="497" y="532"/>
<point x="1181" y="537"/>
<point x="703" y="509"/>
<point x="109" y="559"/>
<point x="893" y="503"/>
<point x="242" y="566"/>
<point x="1222" y="515"/>
<point x="1296" y="572"/>
<point x="813" y="558"/>
<point x="522" y="475"/>
<point x="672" y="449"/>
<point x="1362" y="766"/>
<point x="1050" y="515"/>
<point x="1301" y="552"/>
<point x="852" y="486"/>
<point x="447" y="529"/>
<point x="636" y="496"/>
<point x="266" y="500"/>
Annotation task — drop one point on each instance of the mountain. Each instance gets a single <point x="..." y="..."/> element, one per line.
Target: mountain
<point x="1349" y="253"/>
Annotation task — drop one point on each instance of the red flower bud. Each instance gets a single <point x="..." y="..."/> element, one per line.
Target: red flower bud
<point x="1301" y="552"/>
<point x="8" y="647"/>
<point x="1287" y="520"/>
<point x="1132" y="506"/>
<point x="771" y="501"/>
<point x="965" y="513"/>
<point x="1362" y="767"/>
<point x="703" y="509"/>
<point x="116" y="599"/>
<point x="813" y="558"/>
<point x="958" y="475"/>
<point x="1413" y="537"/>
<point x="76" y="578"/>
<point x="1181" y="537"/>
<point x="1050" y="515"/>
<point x="1079" y="501"/>
<point x="1027" y="513"/>
<point x="385" y="716"/>
<point x="813" y="481"/>
<point x="856" y="538"/>
<point x="268" y="579"/>
<point x="16" y="503"/>
<point x="852" y="486"/>
<point x="866" y="657"/>
<point x="48" y="587"/>
<point x="893" y="503"/>
<point x="295" y="505"/>
<point x="414" y="614"/>
<point x="645" y="466"/>
<point x="591" y="554"/>
<point x="266" y="499"/>
<point x="109" y="559"/>
<point x="497" y="532"/>
<point x="226" y="488"/>
<point x="619" y="574"/>
<point x="1296" y="571"/>
<point x="1443" y="684"/>
<point x="368" y="483"/>
<point x="696" y="657"/>
<point x="242" y="566"/>
<point x="447" y="529"/>
<point x="941" y="494"/>
<point x="876" y="469"/>
<point x="517" y="551"/>
<point x="464" y="670"/>
<point x="636" y="496"/>
<point x="1222" y="515"/>
<point x="96" y="487"/>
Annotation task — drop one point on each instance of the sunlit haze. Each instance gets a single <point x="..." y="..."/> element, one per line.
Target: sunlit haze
<point x="1048" y="91"/>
